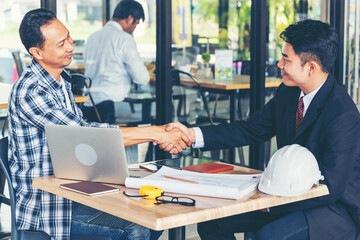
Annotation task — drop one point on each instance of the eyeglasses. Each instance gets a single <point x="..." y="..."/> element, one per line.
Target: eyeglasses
<point x="177" y="200"/>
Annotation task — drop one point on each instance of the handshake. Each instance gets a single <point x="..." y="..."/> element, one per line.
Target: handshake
<point x="174" y="137"/>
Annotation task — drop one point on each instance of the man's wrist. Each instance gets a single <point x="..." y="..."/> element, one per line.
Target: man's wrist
<point x="192" y="135"/>
<point x="199" y="139"/>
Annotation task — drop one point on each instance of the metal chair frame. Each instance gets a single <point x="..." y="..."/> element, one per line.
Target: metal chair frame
<point x="199" y="90"/>
<point x="87" y="86"/>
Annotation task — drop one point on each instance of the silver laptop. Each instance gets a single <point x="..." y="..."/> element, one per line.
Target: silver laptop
<point x="87" y="153"/>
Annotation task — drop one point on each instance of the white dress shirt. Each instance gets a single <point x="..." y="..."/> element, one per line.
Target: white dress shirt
<point x="112" y="62"/>
<point x="199" y="138"/>
<point x="309" y="97"/>
<point x="66" y="95"/>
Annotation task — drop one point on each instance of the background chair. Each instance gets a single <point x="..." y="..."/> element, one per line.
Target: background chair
<point x="179" y="95"/>
<point x="3" y="199"/>
<point x="80" y="85"/>
<point x="18" y="62"/>
<point x="215" y="154"/>
<point x="21" y="234"/>
<point x="176" y="82"/>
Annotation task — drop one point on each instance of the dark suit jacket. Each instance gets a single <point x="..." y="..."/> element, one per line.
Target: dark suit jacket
<point x="331" y="131"/>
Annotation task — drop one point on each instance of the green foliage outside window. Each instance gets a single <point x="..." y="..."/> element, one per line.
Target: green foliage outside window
<point x="281" y="14"/>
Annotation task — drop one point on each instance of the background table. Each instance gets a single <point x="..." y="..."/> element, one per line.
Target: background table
<point x="172" y="216"/>
<point x="78" y="99"/>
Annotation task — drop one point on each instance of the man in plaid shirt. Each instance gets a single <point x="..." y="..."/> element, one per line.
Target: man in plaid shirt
<point x="42" y="95"/>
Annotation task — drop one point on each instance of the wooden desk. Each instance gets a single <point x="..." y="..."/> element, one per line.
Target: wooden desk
<point x="172" y="216"/>
<point x="78" y="99"/>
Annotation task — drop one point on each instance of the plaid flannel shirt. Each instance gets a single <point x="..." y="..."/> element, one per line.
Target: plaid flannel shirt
<point x="37" y="99"/>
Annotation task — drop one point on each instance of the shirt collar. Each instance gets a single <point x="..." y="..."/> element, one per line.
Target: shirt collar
<point x="112" y="23"/>
<point x="39" y="70"/>
<point x="309" y="97"/>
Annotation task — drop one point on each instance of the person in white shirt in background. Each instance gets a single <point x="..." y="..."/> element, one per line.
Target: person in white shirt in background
<point x="113" y="62"/>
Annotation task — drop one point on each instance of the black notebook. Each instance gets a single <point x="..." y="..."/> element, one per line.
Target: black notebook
<point x="89" y="188"/>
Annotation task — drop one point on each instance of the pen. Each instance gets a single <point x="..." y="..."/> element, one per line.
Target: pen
<point x="180" y="179"/>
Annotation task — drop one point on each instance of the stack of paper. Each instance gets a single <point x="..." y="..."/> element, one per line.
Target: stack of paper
<point x="233" y="186"/>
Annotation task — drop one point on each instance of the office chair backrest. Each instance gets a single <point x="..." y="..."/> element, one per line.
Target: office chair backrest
<point x="176" y="77"/>
<point x="17" y="59"/>
<point x="80" y="84"/>
<point x="245" y="68"/>
<point x="272" y="71"/>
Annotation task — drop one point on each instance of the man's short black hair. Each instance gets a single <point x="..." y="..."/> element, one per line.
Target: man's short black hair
<point x="313" y="40"/>
<point x="125" y="8"/>
<point x="30" y="33"/>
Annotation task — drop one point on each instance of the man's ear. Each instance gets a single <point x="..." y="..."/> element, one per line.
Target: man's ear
<point x="130" y="20"/>
<point x="36" y="53"/>
<point x="313" y="67"/>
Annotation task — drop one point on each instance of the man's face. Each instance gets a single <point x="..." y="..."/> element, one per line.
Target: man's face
<point x="291" y="70"/>
<point x="58" y="45"/>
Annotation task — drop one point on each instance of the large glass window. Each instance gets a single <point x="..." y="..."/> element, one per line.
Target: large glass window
<point x="145" y="32"/>
<point x="351" y="51"/>
<point x="139" y="108"/>
<point x="203" y="27"/>
<point x="284" y="13"/>
<point x="11" y="14"/>
<point x="202" y="30"/>
<point x="82" y="18"/>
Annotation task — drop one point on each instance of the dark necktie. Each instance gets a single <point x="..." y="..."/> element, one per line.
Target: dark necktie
<point x="299" y="113"/>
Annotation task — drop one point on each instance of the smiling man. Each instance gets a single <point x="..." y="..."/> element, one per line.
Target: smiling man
<point x="312" y="110"/>
<point x="41" y="96"/>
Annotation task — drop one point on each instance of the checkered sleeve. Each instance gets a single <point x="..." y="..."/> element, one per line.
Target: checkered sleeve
<point x="40" y="108"/>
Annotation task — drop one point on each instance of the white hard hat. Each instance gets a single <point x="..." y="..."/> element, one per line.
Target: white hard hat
<point x="291" y="171"/>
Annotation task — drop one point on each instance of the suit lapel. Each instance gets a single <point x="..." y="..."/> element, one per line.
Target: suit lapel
<point x="316" y="105"/>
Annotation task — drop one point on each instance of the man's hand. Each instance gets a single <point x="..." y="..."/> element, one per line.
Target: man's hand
<point x="151" y="68"/>
<point x="174" y="139"/>
<point x="189" y="132"/>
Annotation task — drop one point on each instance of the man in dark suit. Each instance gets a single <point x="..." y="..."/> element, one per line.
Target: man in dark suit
<point x="310" y="109"/>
